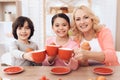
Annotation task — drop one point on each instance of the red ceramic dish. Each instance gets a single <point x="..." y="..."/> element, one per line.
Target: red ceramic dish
<point x="60" y="70"/>
<point x="103" y="71"/>
<point x="13" y="70"/>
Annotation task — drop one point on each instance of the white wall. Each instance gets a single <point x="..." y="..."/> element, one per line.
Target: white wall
<point x="105" y="9"/>
<point x="34" y="10"/>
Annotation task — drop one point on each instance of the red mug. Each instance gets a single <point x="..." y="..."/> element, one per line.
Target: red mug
<point x="52" y="50"/>
<point x="65" y="53"/>
<point x="39" y="56"/>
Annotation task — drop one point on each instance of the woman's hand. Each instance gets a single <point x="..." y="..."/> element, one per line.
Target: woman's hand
<point x="78" y="54"/>
<point x="81" y="56"/>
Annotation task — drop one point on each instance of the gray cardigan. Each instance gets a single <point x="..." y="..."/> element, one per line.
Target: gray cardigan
<point x="17" y="49"/>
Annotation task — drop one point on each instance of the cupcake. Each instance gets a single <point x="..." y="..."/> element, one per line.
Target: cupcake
<point x="52" y="43"/>
<point x="85" y="46"/>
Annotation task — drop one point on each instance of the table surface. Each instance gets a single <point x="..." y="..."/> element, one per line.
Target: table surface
<point x="36" y="72"/>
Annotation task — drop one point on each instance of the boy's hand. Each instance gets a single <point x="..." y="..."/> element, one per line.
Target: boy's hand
<point x="28" y="56"/>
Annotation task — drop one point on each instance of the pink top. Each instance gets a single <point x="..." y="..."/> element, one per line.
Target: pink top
<point x="70" y="44"/>
<point x="107" y="45"/>
<point x="73" y="64"/>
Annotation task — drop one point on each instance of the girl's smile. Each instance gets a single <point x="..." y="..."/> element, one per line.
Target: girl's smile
<point x="61" y="27"/>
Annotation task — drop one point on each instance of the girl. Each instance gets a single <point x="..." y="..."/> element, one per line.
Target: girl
<point x="61" y="26"/>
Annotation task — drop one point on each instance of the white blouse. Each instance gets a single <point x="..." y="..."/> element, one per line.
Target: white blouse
<point x="94" y="44"/>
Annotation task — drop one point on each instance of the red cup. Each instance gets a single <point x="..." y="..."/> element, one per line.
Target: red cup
<point x="52" y="50"/>
<point x="39" y="56"/>
<point x="65" y="53"/>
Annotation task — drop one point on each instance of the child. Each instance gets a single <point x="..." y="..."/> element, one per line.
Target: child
<point x="61" y="26"/>
<point x="22" y="30"/>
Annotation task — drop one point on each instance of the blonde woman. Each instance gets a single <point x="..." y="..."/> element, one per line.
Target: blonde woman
<point x="87" y="29"/>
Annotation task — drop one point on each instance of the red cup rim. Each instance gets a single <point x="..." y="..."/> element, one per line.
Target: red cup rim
<point x="65" y="49"/>
<point x="42" y="50"/>
<point x="54" y="45"/>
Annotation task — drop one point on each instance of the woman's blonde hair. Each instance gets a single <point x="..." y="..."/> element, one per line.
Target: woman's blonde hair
<point x="78" y="34"/>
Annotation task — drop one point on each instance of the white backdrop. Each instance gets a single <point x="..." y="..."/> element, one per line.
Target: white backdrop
<point x="105" y="9"/>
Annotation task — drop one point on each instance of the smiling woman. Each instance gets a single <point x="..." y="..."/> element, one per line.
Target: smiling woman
<point x="87" y="27"/>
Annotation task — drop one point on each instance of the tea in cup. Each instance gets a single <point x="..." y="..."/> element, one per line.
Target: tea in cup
<point x="65" y="53"/>
<point x="39" y="56"/>
<point x="52" y="50"/>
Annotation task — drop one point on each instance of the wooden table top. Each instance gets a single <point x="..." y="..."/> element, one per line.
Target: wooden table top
<point x="36" y="72"/>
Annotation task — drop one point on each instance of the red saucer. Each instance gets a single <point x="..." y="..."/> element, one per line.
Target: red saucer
<point x="13" y="70"/>
<point x="103" y="71"/>
<point x="60" y="70"/>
